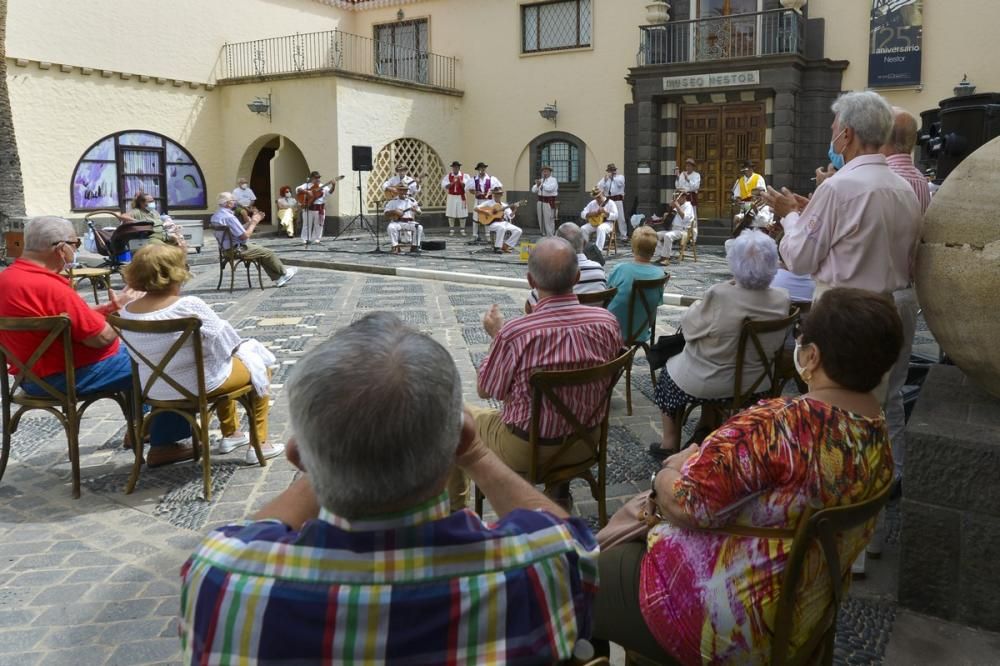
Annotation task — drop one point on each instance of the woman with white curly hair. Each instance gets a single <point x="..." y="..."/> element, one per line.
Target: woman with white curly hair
<point x="706" y="367"/>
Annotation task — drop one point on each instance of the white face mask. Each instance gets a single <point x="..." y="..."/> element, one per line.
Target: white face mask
<point x="243" y="186"/>
<point x="151" y="205"/>
<point x="795" y="359"/>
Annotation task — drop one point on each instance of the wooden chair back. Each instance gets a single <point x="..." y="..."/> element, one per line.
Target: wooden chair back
<point x="52" y="330"/>
<point x="231" y="254"/>
<point x="598" y="298"/>
<point x="750" y="337"/>
<point x="645" y="318"/>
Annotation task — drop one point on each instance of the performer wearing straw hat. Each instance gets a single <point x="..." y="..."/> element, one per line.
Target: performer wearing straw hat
<point x="600" y="204"/>
<point x="547" y="189"/>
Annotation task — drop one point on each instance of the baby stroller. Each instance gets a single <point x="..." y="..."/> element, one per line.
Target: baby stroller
<point x="116" y="243"/>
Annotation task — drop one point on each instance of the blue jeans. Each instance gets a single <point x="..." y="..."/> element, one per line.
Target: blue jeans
<point x="115" y="374"/>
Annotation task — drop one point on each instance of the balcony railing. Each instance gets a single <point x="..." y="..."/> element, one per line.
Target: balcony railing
<point x="333" y="50"/>
<point x="774" y="32"/>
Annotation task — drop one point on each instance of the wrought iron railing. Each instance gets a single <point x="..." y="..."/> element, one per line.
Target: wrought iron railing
<point x="774" y="32"/>
<point x="338" y="51"/>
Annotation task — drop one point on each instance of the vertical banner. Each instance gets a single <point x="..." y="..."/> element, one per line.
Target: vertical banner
<point x="897" y="28"/>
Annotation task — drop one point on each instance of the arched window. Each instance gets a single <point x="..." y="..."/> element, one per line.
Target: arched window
<point x="422" y="161"/>
<point x="563" y="157"/>
<point x="116" y="168"/>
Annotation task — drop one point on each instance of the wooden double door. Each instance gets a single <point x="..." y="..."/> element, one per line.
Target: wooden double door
<point x="719" y="137"/>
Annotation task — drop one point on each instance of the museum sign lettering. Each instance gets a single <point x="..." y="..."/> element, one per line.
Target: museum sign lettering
<point x="715" y="80"/>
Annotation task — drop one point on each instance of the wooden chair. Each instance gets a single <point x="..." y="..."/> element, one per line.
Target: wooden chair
<point x="598" y="298"/>
<point x="690" y="239"/>
<point x="545" y="385"/>
<point x="818" y="530"/>
<point x="68" y="406"/>
<point x="234" y="257"/>
<point x="639" y="322"/>
<point x="747" y="390"/>
<point x="194" y="404"/>
<point x="611" y="246"/>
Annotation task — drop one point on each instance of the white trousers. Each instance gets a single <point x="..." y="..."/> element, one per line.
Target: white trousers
<point x="502" y="228"/>
<point x="546" y="218"/>
<point x="475" y="218"/>
<point x="665" y="242"/>
<point x="895" y="417"/>
<point x="312" y="225"/>
<point x="394" y="228"/>
<point x="622" y="222"/>
<point x="602" y="230"/>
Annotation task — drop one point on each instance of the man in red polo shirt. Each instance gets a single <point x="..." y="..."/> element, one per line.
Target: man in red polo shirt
<point x="33" y="287"/>
<point x="559" y="334"/>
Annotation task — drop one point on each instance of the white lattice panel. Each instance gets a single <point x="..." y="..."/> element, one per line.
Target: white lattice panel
<point x="422" y="161"/>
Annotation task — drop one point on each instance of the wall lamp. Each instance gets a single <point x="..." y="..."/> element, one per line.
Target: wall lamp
<point x="261" y="106"/>
<point x="549" y="112"/>
<point x="400" y="15"/>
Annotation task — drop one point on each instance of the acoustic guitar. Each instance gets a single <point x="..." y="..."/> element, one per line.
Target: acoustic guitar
<point x="397" y="214"/>
<point x="488" y="216"/>
<point x="597" y="219"/>
<point x="307" y="196"/>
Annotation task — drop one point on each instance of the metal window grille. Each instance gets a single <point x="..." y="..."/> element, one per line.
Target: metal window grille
<point x="564" y="158"/>
<point x="401" y="50"/>
<point x="552" y="26"/>
<point x="422" y="161"/>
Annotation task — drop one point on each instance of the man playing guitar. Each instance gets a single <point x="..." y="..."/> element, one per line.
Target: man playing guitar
<point x="480" y="186"/>
<point x="401" y="213"/>
<point x="599" y="216"/>
<point x="312" y="195"/>
<point x="494" y="216"/>
<point x="402" y="177"/>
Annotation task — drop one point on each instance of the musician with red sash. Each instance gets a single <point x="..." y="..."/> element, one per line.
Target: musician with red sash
<point x="455" y="183"/>
<point x="402" y="215"/>
<point x="312" y="196"/>
<point x="613" y="187"/>
<point x="481" y="185"/>
<point x="601" y="210"/>
<point x="503" y="225"/>
<point x="547" y="189"/>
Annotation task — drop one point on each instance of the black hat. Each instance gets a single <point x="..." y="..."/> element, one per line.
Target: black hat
<point x="611" y="167"/>
<point x="315" y="174"/>
<point x="746" y="164"/>
<point x="481" y="165"/>
<point x="455" y="163"/>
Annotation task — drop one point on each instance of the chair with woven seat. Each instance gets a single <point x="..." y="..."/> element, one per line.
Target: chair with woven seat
<point x="598" y="298"/>
<point x="639" y="322"/>
<point x="194" y="404"/>
<point x="67" y="406"/>
<point x="818" y="530"/>
<point x="545" y="385"/>
<point x="233" y="258"/>
<point x="766" y="384"/>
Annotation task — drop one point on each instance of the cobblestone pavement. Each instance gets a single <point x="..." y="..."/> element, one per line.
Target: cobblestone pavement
<point x="95" y="580"/>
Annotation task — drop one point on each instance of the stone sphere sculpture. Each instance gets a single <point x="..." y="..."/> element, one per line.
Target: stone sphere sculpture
<point x="958" y="266"/>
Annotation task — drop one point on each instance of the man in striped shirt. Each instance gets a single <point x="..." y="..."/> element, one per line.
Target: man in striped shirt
<point x="559" y="334"/>
<point x="359" y="560"/>
<point x="592" y="276"/>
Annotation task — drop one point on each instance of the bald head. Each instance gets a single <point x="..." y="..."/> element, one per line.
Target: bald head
<point x="552" y="266"/>
<point x="571" y="232"/>
<point x="903" y="137"/>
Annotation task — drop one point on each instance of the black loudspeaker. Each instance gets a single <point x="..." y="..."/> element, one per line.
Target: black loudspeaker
<point x="361" y="158"/>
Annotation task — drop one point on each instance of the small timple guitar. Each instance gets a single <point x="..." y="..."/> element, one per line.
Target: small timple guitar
<point x="397" y="214"/>
<point x="488" y="215"/>
<point x="597" y="219"/>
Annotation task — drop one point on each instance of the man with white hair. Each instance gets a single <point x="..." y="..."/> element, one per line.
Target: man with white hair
<point x="238" y="235"/>
<point x="34" y="287"/>
<point x="245" y="197"/>
<point x="361" y="561"/>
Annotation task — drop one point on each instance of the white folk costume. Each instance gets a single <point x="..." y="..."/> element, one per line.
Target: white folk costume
<point x="481" y="187"/>
<point x="507" y="233"/>
<point x="314" y="215"/>
<point x="744" y="187"/>
<point x="692" y="183"/>
<point x="456" y="208"/>
<point x="548" y="193"/>
<point x="613" y="187"/>
<point x="604" y="228"/>
<point x="683" y="220"/>
<point x="405" y="223"/>
<point x="412" y="186"/>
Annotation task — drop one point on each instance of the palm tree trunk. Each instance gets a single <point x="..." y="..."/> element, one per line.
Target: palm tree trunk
<point x="11" y="180"/>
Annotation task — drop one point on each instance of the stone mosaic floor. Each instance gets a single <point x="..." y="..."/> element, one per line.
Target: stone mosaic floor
<point x="95" y="580"/>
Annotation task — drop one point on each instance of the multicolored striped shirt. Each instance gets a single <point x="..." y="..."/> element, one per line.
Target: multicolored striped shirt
<point x="418" y="587"/>
<point x="559" y="334"/>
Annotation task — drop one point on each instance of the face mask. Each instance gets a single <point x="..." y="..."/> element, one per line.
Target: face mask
<point x="836" y="159"/>
<point x="795" y="359"/>
<point x="151" y="205"/>
<point x="243" y="186"/>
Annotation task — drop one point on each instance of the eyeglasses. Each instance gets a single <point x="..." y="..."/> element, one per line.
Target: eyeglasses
<point x="75" y="243"/>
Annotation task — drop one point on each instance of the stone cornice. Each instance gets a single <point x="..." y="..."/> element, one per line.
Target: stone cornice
<point x="107" y="73"/>
<point x="361" y="5"/>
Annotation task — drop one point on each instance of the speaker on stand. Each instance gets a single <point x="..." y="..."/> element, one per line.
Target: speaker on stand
<point x="361" y="161"/>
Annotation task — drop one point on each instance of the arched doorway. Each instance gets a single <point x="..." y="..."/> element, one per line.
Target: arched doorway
<point x="271" y="162"/>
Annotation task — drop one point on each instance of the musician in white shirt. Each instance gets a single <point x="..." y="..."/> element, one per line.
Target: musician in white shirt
<point x="599" y="204"/>
<point x="547" y="189"/>
<point x="480" y="187"/>
<point x="503" y="226"/>
<point x="747" y="182"/>
<point x="682" y="221"/>
<point x="402" y="177"/>
<point x="613" y="187"/>
<point x="762" y="214"/>
<point x="690" y="180"/>
<point x="314" y="215"/>
<point x="406" y="208"/>
<point x="455" y="184"/>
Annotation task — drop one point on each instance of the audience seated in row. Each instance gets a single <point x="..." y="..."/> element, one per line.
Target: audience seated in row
<point x="624" y="274"/>
<point x="592" y="278"/>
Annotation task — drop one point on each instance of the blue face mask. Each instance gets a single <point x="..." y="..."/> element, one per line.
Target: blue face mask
<point x="836" y="159"/>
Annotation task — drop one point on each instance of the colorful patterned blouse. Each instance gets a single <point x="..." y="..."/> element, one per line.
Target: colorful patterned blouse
<point x="711" y="597"/>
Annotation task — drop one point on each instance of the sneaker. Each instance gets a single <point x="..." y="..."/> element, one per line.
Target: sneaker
<point x="269" y="451"/>
<point x="451" y="232"/>
<point x="288" y="275"/>
<point x="462" y="231"/>
<point x="232" y="442"/>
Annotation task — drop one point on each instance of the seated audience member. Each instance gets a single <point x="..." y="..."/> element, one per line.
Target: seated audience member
<point x="800" y="288"/>
<point x="229" y="362"/>
<point x="164" y="230"/>
<point x="622" y="276"/>
<point x="559" y="334"/>
<point x="288" y="207"/>
<point x="662" y="596"/>
<point x="33" y="287"/>
<point x="592" y="276"/>
<point x="706" y="367"/>
<point x="360" y="561"/>
<point x="225" y="219"/>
